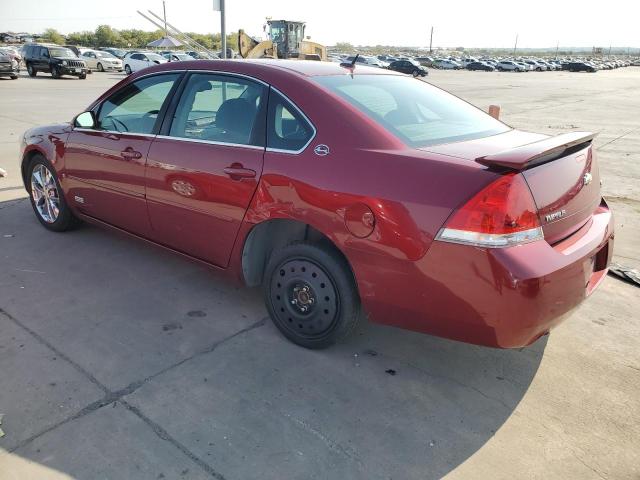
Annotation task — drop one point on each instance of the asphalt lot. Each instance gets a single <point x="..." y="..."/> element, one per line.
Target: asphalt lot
<point x="118" y="360"/>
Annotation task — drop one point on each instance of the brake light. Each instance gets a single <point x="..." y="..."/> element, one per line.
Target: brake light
<point x="502" y="214"/>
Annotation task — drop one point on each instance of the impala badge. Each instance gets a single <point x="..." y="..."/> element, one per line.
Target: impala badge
<point x="586" y="179"/>
<point x="555" y="215"/>
<point x="321" y="150"/>
<point x="78" y="199"/>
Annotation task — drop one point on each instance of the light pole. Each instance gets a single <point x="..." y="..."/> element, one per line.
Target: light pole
<point x="218" y="6"/>
<point x="223" y="30"/>
<point x="515" y="46"/>
<point x="431" y="40"/>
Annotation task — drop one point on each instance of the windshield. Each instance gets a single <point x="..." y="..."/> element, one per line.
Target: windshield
<point x="61" y="52"/>
<point x="418" y="113"/>
<point x="104" y="55"/>
<point x="154" y="57"/>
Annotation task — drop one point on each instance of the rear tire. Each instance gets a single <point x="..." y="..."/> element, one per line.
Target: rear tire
<point x="31" y="71"/>
<point x="311" y="294"/>
<point x="48" y="188"/>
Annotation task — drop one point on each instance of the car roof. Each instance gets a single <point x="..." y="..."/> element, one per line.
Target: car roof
<point x="310" y="68"/>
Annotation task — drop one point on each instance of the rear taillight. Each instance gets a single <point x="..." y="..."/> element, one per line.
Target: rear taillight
<point x="501" y="215"/>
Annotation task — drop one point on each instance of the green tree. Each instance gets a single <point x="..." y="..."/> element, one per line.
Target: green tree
<point x="106" y="36"/>
<point x="344" y="47"/>
<point x="81" y="38"/>
<point x="51" y="35"/>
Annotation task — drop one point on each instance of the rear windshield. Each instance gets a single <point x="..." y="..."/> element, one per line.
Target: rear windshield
<point x="418" y="113"/>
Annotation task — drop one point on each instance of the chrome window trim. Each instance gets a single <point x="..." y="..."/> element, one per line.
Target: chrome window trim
<point x="210" y="142"/>
<point x="301" y="113"/>
<point x="114" y="132"/>
<point x="217" y="72"/>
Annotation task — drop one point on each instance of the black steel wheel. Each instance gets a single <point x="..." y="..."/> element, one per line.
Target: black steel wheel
<point x="311" y="295"/>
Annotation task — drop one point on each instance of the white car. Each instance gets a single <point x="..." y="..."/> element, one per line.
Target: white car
<point x="101" y="61"/>
<point x="509" y="66"/>
<point x="446" y="64"/>
<point x="177" y="57"/>
<point x="134" y="61"/>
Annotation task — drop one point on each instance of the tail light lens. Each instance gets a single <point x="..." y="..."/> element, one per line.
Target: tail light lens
<point x="502" y="214"/>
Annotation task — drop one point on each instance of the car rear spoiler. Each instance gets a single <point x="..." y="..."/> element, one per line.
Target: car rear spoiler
<point x="542" y="151"/>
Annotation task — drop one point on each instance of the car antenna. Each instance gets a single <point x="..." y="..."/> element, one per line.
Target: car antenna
<point x="352" y="63"/>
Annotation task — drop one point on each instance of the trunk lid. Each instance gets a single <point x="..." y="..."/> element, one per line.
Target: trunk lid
<point x="561" y="171"/>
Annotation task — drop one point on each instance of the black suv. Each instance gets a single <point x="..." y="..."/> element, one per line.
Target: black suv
<point x="53" y="59"/>
<point x="408" y="66"/>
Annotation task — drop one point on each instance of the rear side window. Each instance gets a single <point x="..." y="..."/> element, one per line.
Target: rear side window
<point x="287" y="128"/>
<point x="220" y="108"/>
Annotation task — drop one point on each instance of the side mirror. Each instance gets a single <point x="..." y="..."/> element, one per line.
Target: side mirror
<point x="85" y="120"/>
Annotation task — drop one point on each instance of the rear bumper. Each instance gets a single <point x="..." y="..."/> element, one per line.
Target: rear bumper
<point x="501" y="297"/>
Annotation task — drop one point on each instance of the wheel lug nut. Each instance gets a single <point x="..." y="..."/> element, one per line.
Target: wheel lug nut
<point x="294" y="302"/>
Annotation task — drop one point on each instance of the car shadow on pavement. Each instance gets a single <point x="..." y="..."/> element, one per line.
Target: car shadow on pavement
<point x="189" y="363"/>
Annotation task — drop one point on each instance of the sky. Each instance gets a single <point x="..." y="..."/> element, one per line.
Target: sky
<point x="479" y="23"/>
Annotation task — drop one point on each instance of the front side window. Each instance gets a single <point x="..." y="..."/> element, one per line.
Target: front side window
<point x="416" y="112"/>
<point x="287" y="129"/>
<point x="135" y="108"/>
<point x="219" y="108"/>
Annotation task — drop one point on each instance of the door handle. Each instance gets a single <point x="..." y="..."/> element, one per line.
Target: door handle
<point x="129" y="153"/>
<point x="237" y="172"/>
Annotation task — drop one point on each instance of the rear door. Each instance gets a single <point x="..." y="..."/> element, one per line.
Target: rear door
<point x="105" y="165"/>
<point x="203" y="169"/>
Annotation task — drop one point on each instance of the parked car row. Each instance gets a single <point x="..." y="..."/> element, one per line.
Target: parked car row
<point x="415" y="65"/>
<point x="78" y="61"/>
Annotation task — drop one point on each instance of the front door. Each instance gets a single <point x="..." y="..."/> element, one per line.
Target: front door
<point x="105" y="166"/>
<point x="204" y="169"/>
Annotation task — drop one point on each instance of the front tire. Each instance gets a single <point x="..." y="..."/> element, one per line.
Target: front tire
<point x="311" y="295"/>
<point x="127" y="69"/>
<point x="100" y="68"/>
<point x="83" y="76"/>
<point x="415" y="73"/>
<point x="47" y="197"/>
<point x="55" y="73"/>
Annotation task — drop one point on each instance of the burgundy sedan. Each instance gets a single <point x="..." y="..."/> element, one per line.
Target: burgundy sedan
<point x="339" y="191"/>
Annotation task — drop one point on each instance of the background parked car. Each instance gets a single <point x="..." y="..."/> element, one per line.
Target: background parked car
<point x="101" y="61"/>
<point x="581" y="67"/>
<point x="367" y="60"/>
<point x="509" y="66"/>
<point x="480" y="66"/>
<point x="9" y="66"/>
<point x="134" y="61"/>
<point x="446" y="64"/>
<point x="177" y="57"/>
<point x="53" y="59"/>
<point x="116" y="52"/>
<point x="410" y="67"/>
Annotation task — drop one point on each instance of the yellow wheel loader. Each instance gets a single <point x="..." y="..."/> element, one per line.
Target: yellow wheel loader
<point x="286" y="40"/>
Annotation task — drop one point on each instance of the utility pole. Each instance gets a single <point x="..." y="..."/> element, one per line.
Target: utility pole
<point x="218" y="6"/>
<point x="515" y="46"/>
<point x="164" y="13"/>
<point x="223" y="30"/>
<point x="557" y="47"/>
<point x="431" y="40"/>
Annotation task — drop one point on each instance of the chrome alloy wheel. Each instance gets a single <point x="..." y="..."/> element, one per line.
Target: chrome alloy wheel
<point x="44" y="192"/>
